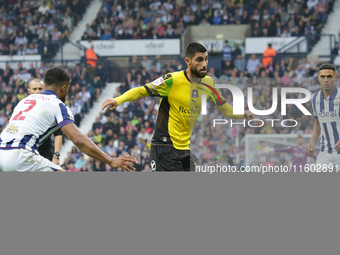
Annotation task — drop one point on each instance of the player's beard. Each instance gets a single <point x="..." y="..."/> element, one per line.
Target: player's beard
<point x="197" y="73"/>
<point x="63" y="98"/>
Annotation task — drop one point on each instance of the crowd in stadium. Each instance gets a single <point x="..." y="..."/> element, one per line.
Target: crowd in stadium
<point x="34" y="27"/>
<point x="37" y="27"/>
<point x="155" y="19"/>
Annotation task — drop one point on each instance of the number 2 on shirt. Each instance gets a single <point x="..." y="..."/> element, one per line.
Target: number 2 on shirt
<point x="32" y="103"/>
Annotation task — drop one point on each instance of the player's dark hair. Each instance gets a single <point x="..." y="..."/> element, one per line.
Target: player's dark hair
<point x="327" y="66"/>
<point x="56" y="77"/>
<point x="193" y="48"/>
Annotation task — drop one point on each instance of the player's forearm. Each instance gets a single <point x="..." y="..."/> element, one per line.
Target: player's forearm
<point x="85" y="145"/>
<point x="58" y="140"/>
<point x="131" y="95"/>
<point x="227" y="111"/>
<point x="316" y="132"/>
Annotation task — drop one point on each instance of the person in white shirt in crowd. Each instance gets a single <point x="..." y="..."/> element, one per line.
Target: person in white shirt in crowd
<point x="43" y="8"/>
<point x="31" y="50"/>
<point x="16" y="74"/>
<point x="168" y="5"/>
<point x="300" y="72"/>
<point x="143" y="135"/>
<point x="86" y="97"/>
<point x="312" y="3"/>
<point x="25" y="76"/>
<point x="252" y="63"/>
<point x="305" y="64"/>
<point x="155" y="4"/>
<point x="109" y="148"/>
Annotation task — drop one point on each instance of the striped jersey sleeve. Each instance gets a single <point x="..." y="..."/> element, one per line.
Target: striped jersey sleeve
<point x="63" y="115"/>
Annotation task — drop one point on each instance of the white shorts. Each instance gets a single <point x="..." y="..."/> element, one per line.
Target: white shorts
<point x="22" y="160"/>
<point x="325" y="158"/>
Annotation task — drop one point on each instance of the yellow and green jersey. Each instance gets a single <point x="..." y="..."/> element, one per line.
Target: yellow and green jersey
<point x="180" y="106"/>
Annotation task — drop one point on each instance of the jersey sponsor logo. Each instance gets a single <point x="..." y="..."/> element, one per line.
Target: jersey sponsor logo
<point x="12" y="129"/>
<point x="329" y="116"/>
<point x="157" y="82"/>
<point x="187" y="112"/>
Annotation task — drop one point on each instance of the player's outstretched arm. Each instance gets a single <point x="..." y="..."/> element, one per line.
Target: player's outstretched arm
<point x="129" y="95"/>
<point x="85" y="145"/>
<point x="315" y="137"/>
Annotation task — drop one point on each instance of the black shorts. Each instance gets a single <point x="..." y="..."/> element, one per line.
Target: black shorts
<point x="48" y="154"/>
<point x="167" y="158"/>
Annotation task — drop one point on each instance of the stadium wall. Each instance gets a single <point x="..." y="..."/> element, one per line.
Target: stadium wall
<point x="225" y="32"/>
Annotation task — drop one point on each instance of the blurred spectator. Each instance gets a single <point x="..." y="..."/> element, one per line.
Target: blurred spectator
<point x="135" y="64"/>
<point x="80" y="162"/>
<point x="91" y="56"/>
<point x="43" y="8"/>
<point x="240" y="63"/>
<point x="31" y="50"/>
<point x="106" y="36"/>
<point x="252" y="63"/>
<point x="268" y="55"/>
<point x="237" y="51"/>
<point x="226" y="51"/>
<point x="146" y="63"/>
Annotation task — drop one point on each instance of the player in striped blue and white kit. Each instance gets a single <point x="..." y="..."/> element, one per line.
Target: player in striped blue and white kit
<point x="326" y="112"/>
<point x="35" y="118"/>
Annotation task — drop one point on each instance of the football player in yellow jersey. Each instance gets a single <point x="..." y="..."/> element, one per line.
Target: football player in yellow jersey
<point x="171" y="139"/>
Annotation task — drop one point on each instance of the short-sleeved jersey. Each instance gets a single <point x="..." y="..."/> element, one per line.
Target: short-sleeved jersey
<point x="34" y="119"/>
<point x="327" y="110"/>
<point x="180" y="107"/>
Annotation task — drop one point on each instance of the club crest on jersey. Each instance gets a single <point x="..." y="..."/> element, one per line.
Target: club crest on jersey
<point x="336" y="102"/>
<point x="195" y="93"/>
<point x="12" y="129"/>
<point x="166" y="76"/>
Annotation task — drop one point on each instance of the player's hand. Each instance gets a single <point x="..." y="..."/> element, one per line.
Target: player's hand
<point x="310" y="148"/>
<point x="123" y="162"/>
<point x="249" y="115"/>
<point x="337" y="146"/>
<point x="110" y="101"/>
<point x="56" y="161"/>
